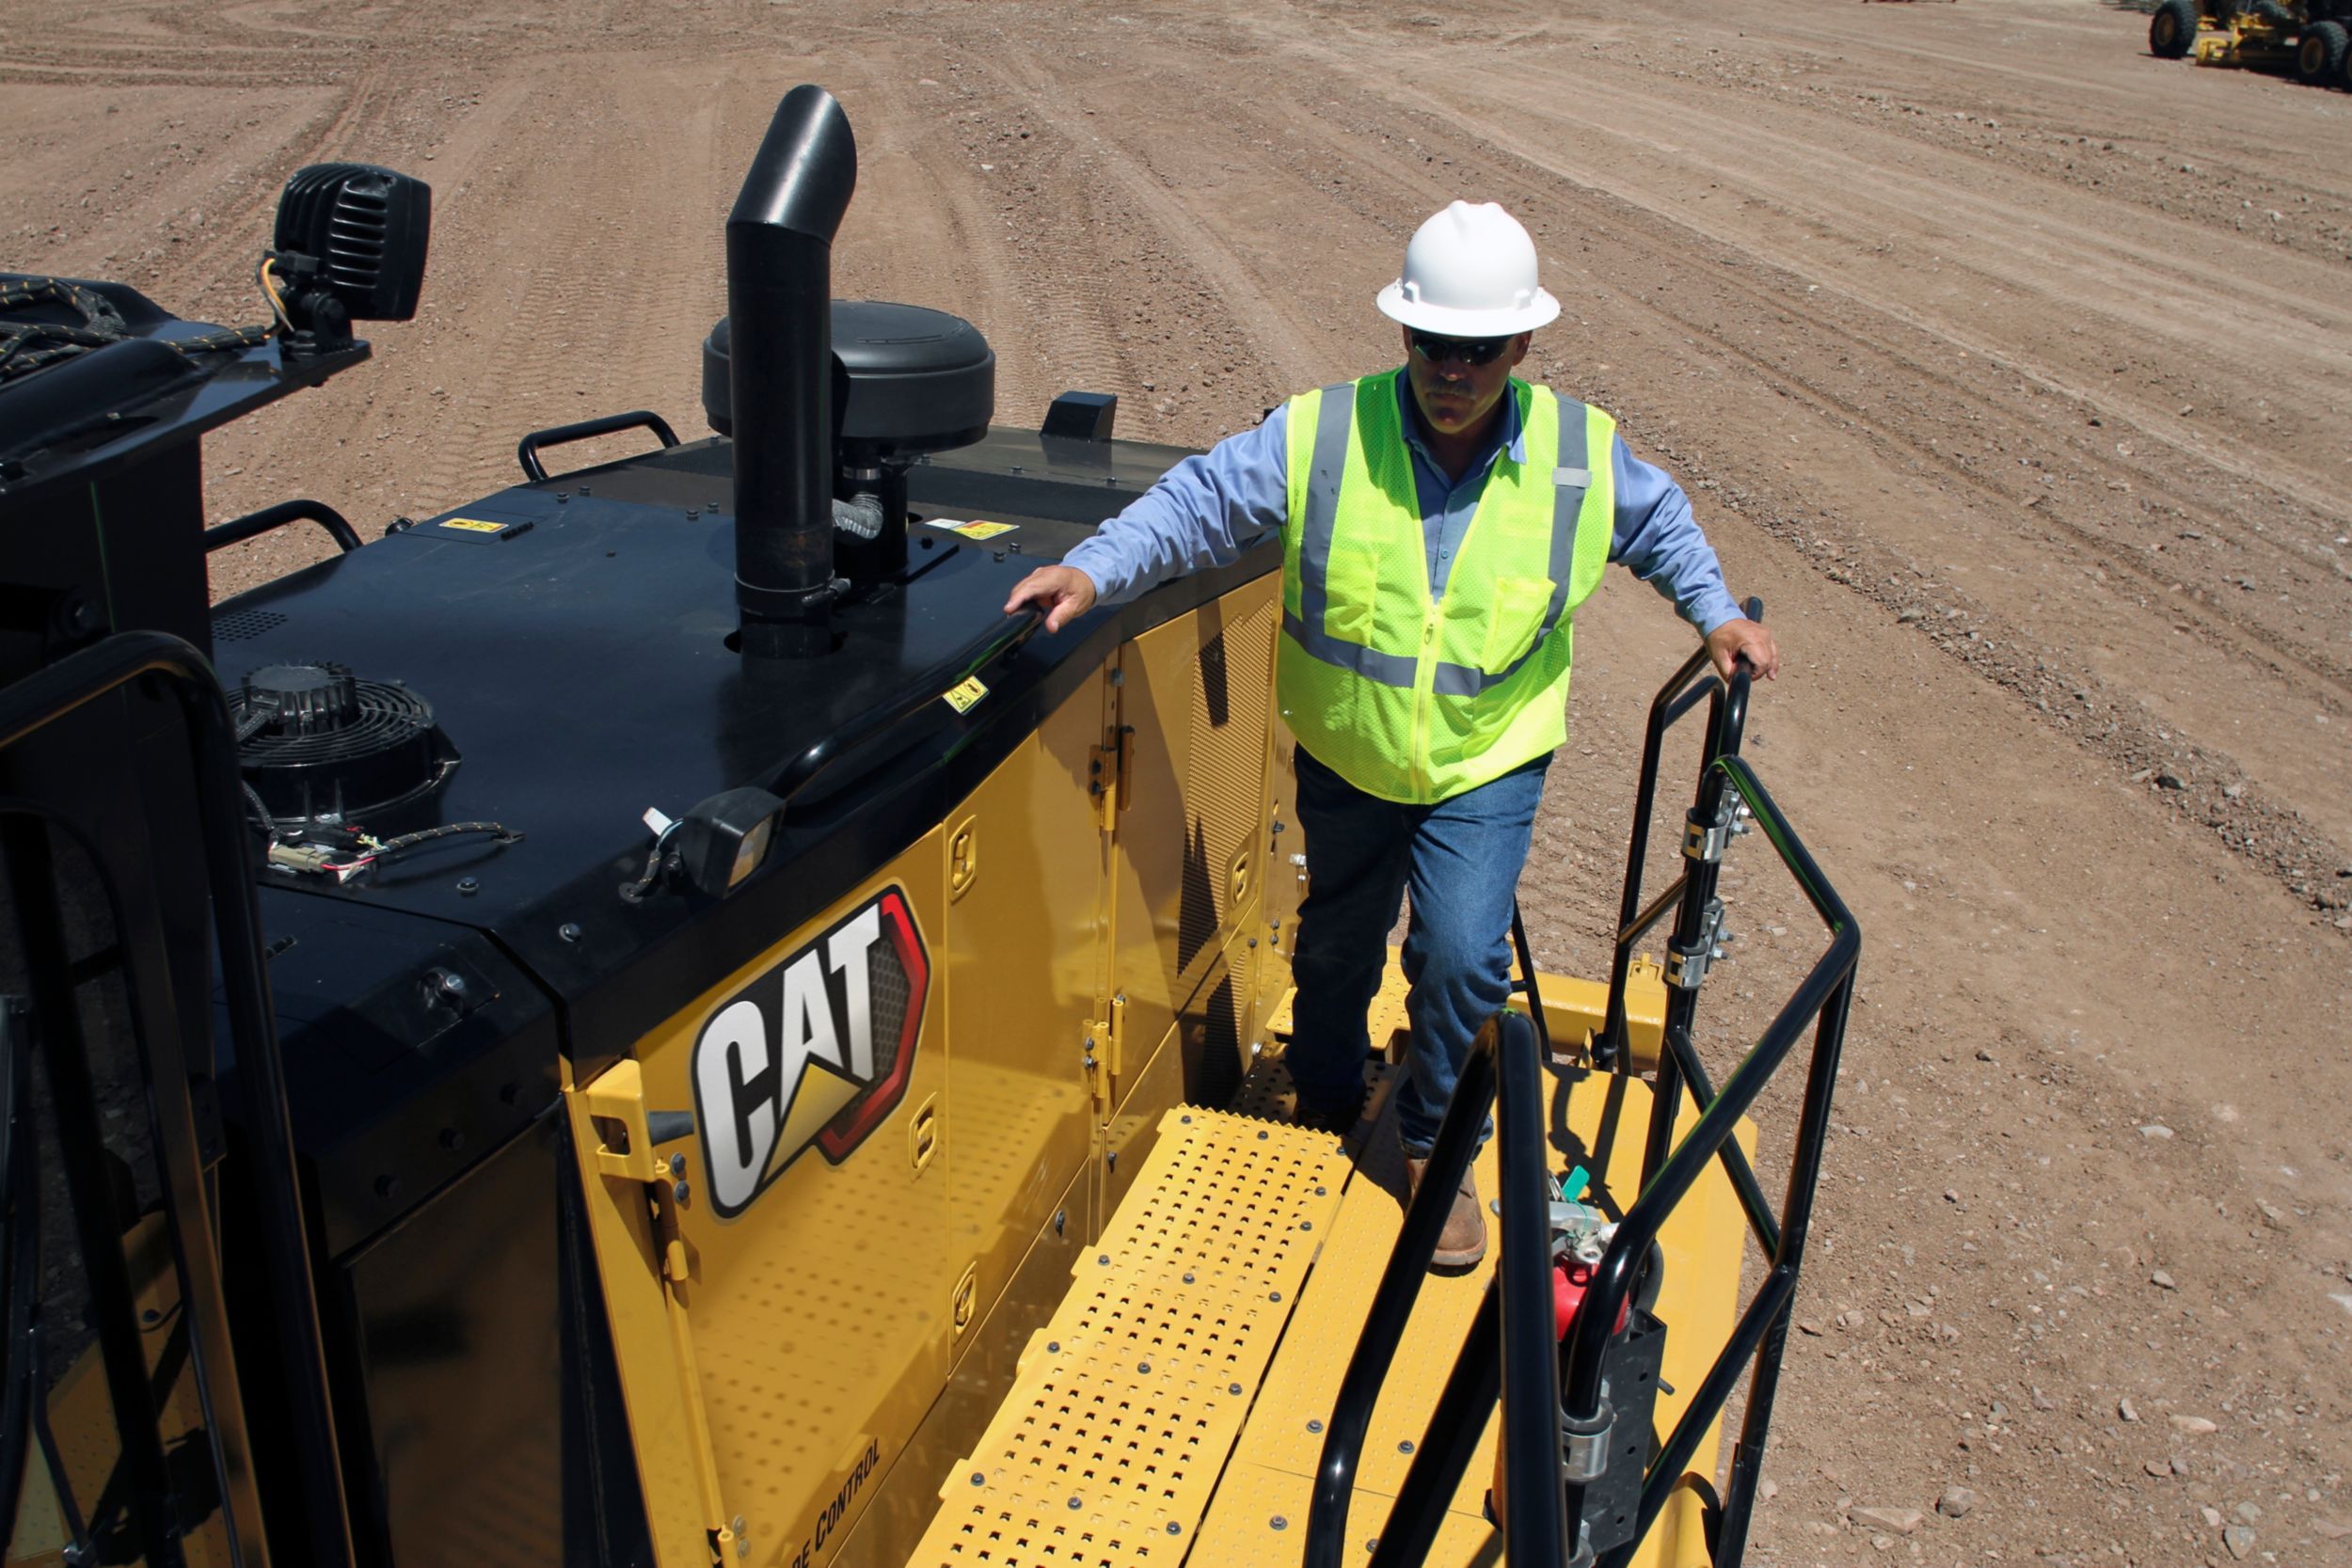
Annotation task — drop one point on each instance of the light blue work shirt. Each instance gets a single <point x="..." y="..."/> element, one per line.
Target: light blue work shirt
<point x="1209" y="508"/>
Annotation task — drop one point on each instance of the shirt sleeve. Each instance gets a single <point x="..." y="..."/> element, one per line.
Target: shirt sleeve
<point x="1204" y="512"/>
<point x="1659" y="539"/>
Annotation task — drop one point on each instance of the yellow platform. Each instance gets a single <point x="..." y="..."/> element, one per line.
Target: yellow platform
<point x="1172" y="1410"/>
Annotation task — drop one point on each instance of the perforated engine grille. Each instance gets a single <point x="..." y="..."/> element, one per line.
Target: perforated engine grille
<point x="1128" y="1402"/>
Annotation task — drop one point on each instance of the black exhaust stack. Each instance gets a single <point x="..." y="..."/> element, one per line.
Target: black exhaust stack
<point x="781" y="374"/>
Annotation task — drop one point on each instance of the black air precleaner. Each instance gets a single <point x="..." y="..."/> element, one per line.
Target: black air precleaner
<point x="781" y="374"/>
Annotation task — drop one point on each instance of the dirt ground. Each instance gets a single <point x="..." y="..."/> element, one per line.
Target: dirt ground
<point x="1998" y="357"/>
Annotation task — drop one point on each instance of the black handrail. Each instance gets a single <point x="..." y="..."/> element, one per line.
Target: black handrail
<point x="1822" y="999"/>
<point x="1000" y="641"/>
<point x="236" y="532"/>
<point x="527" y="449"/>
<point x="50" y="694"/>
<point x="1727" y="721"/>
<point x="1513" y="1342"/>
<point x="1392" y="1301"/>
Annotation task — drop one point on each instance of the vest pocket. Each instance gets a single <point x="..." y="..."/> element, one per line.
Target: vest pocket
<point x="1353" y="594"/>
<point x="1517" y="616"/>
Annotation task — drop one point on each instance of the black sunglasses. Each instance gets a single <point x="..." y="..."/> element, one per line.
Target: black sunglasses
<point x="1470" y="351"/>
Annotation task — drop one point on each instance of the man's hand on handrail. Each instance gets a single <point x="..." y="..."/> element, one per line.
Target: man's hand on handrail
<point x="1728" y="643"/>
<point x="1064" y="593"/>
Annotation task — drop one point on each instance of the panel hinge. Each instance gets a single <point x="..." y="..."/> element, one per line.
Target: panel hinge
<point x="1106" y="773"/>
<point x="1103" y="1054"/>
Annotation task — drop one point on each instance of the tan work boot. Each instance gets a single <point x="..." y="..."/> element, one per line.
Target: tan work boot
<point x="1463" y="1242"/>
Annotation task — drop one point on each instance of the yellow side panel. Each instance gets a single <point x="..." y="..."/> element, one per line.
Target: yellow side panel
<point x="810" y="1271"/>
<point x="1023" y="963"/>
<point x="1195" y="698"/>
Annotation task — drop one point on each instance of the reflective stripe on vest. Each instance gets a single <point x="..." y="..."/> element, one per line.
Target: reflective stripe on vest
<point x="1460" y="725"/>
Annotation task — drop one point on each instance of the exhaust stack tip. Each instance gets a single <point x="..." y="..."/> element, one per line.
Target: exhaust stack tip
<point x="782" y="381"/>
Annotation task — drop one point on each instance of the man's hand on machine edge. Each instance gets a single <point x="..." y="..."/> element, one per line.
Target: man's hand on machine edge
<point x="1064" y="593"/>
<point x="1734" y="639"/>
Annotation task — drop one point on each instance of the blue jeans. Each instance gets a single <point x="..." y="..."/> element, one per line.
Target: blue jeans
<point x="1461" y="858"/>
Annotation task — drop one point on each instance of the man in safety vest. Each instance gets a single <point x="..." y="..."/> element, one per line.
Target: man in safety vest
<point x="1441" y="524"/>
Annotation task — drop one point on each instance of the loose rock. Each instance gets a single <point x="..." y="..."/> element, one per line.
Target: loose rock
<point x="2163" y="1281"/>
<point x="1956" y="1502"/>
<point x="1901" y="1520"/>
<point x="2124" y="1408"/>
<point x="2197" y="1426"/>
<point x="2157" y="1131"/>
<point x="2239" y="1540"/>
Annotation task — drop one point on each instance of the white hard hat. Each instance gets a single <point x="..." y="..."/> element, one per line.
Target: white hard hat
<point x="1469" y="272"/>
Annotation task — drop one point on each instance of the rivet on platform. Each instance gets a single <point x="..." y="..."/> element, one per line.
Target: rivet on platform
<point x="1279" y="1522"/>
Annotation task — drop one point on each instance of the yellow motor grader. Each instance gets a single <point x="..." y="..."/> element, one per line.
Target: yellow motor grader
<point x="640" y="1021"/>
<point x="2310" y="38"/>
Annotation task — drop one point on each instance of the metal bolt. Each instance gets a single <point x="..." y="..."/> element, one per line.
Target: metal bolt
<point x="1053" y="1347"/>
<point x="1323" y="1192"/>
<point x="468" y="887"/>
<point x="1186" y="1120"/>
<point x="1187" y="1276"/>
<point x="1261" y="1137"/>
<point x="979" y="1480"/>
<point x="561" y="498"/>
<point x="569" y="931"/>
<point x="451" y="1139"/>
<point x="692" y="513"/>
<point x="737" y="1525"/>
<point x="1103" y="1259"/>
<point x="1314" y="1426"/>
<point x="681" y="1192"/>
<point x="1061" y="1218"/>
<point x="1143" y="1366"/>
<point x="1405" y="1446"/>
<point x="743" y="1545"/>
<point x="1279" y="1522"/>
<point x="387" y="1186"/>
<point x="1274" y="1295"/>
<point x="1111" y="1161"/>
<point x="1233" y="1388"/>
<point x="677" y="1165"/>
<point x="1000" y="555"/>
<point x="1175" y="1528"/>
<point x="1075" y="1504"/>
<point x="1306" y="1225"/>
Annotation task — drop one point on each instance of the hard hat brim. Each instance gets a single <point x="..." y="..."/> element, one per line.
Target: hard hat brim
<point x="1424" y="317"/>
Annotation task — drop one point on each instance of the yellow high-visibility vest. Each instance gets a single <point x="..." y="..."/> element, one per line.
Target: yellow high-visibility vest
<point x="1414" y="698"/>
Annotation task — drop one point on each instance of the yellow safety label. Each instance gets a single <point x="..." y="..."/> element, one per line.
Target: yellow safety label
<point x="964" y="696"/>
<point x="473" y="525"/>
<point x="978" y="528"/>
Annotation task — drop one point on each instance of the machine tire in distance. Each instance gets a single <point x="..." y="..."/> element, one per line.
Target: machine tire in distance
<point x="2319" y="58"/>
<point x="2173" y="30"/>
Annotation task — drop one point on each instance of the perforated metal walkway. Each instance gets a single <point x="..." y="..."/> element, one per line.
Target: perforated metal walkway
<point x="1128" y="1402"/>
<point x="1152" y="1424"/>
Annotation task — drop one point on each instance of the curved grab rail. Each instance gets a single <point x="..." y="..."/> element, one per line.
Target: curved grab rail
<point x="254" y="523"/>
<point x="1726" y="727"/>
<point x="1000" y="641"/>
<point x="527" y="451"/>
<point x="1823" y="998"/>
